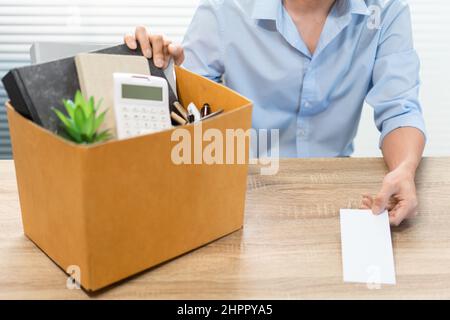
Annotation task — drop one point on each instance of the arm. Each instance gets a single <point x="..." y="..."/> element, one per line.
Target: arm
<point x="402" y="150"/>
<point x="398" y="115"/>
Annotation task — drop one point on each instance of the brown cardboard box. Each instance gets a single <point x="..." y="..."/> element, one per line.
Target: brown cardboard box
<point x="118" y="208"/>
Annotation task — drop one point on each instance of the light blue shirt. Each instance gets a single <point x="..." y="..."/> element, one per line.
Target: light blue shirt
<point x="365" y="53"/>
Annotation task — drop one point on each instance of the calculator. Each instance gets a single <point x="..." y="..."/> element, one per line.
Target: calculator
<point x="141" y="104"/>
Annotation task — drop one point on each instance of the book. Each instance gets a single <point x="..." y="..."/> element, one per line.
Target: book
<point x="34" y="90"/>
<point x="95" y="74"/>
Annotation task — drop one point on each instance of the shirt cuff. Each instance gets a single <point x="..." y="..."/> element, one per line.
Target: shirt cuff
<point x="414" y="120"/>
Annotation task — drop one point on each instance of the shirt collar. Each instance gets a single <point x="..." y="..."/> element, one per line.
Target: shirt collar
<point x="358" y="7"/>
<point x="269" y="9"/>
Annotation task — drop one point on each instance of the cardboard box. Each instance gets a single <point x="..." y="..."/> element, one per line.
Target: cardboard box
<point x="121" y="207"/>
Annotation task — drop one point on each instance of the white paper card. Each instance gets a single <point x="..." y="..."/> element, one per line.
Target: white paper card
<point x="367" y="255"/>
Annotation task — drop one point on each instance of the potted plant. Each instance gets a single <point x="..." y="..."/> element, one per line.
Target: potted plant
<point x="81" y="124"/>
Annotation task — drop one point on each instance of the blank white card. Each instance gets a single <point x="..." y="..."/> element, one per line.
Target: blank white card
<point x="367" y="255"/>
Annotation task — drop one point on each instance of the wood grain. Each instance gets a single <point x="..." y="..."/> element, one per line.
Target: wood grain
<point x="288" y="249"/>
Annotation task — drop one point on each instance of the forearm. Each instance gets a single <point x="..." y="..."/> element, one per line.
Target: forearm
<point x="403" y="147"/>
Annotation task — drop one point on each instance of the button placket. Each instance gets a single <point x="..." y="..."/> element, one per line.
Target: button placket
<point x="307" y="95"/>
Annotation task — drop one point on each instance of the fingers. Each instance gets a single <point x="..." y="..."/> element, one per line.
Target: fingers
<point x="382" y="199"/>
<point x="130" y="41"/>
<point x="155" y="46"/>
<point x="404" y="210"/>
<point x="163" y="50"/>
<point x="177" y="52"/>
<point x="143" y="39"/>
<point x="158" y="50"/>
<point x="366" y="202"/>
<point x="166" y="52"/>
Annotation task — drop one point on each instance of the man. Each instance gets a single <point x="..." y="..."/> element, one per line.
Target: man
<point x="308" y="65"/>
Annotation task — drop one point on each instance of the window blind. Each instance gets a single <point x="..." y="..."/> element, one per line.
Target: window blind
<point x="23" y="22"/>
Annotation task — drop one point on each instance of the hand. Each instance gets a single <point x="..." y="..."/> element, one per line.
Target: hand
<point x="397" y="195"/>
<point x="156" y="46"/>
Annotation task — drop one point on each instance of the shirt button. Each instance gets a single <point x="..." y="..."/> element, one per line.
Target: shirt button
<point x="307" y="104"/>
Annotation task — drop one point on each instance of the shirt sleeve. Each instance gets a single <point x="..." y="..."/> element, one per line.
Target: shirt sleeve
<point x="203" y="43"/>
<point x="394" y="94"/>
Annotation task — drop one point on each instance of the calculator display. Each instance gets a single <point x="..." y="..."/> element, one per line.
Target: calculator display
<point x="142" y="92"/>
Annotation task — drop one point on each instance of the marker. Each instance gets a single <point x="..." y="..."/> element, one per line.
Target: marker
<point x="177" y="118"/>
<point x="206" y="110"/>
<point x="181" y="110"/>
<point x="192" y="109"/>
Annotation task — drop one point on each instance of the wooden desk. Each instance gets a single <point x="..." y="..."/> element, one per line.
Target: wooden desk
<point x="288" y="249"/>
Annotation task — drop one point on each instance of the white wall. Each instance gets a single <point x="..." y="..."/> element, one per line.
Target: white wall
<point x="25" y="21"/>
<point x="431" y="25"/>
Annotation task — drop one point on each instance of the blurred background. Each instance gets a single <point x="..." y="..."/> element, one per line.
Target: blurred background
<point x="23" y="22"/>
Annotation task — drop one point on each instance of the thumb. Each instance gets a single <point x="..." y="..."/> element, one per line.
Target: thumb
<point x="382" y="199"/>
<point x="177" y="52"/>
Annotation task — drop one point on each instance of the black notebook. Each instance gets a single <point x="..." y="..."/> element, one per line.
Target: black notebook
<point x="34" y="90"/>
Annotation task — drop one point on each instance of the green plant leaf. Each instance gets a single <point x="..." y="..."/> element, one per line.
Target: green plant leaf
<point x="85" y="105"/>
<point x="99" y="103"/>
<point x="79" y="118"/>
<point x="61" y="117"/>
<point x="90" y="124"/>
<point x="102" y="136"/>
<point x="91" y="106"/>
<point x="70" y="107"/>
<point x="79" y="99"/>
<point x="99" y="120"/>
<point x="74" y="134"/>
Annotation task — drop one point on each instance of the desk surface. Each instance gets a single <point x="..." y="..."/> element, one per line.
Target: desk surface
<point x="289" y="247"/>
